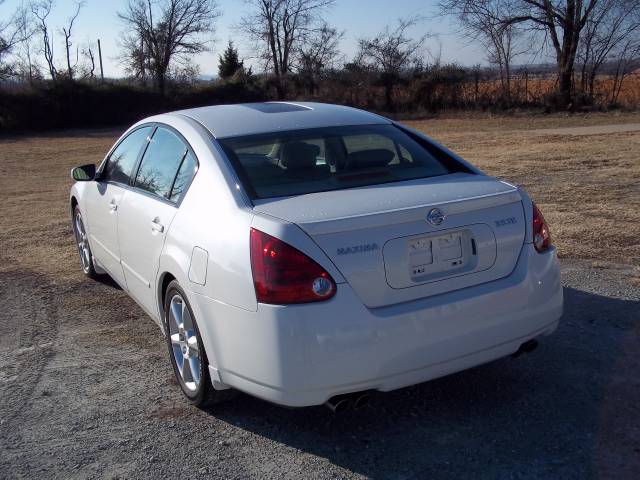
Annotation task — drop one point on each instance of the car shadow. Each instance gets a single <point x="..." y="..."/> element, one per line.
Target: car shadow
<point x="558" y="411"/>
<point x="107" y="281"/>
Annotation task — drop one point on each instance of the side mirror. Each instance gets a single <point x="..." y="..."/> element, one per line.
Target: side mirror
<point x="85" y="173"/>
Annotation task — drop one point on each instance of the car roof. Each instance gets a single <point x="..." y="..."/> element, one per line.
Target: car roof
<point x="255" y="118"/>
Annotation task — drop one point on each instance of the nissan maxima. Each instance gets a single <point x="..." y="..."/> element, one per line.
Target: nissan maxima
<point x="308" y="253"/>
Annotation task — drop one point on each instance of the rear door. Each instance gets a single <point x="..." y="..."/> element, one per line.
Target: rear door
<point x="147" y="211"/>
<point x="103" y="199"/>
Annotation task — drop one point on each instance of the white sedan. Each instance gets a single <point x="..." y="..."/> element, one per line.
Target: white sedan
<point x="309" y="253"/>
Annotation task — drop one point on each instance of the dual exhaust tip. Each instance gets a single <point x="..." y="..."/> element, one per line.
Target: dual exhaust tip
<point x="340" y="403"/>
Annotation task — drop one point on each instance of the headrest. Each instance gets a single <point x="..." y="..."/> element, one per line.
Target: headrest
<point x="299" y="155"/>
<point x="369" y="158"/>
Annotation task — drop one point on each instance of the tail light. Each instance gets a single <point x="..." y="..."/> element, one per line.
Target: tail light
<point x="541" y="233"/>
<point x="283" y="274"/>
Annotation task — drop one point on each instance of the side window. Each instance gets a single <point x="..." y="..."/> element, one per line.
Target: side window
<point x="185" y="174"/>
<point x="160" y="163"/>
<point x="120" y="164"/>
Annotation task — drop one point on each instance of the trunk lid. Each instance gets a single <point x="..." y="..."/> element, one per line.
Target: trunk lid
<point x="382" y="243"/>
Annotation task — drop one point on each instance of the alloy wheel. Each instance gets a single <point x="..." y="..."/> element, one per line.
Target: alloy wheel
<point x="83" y="243"/>
<point x="184" y="343"/>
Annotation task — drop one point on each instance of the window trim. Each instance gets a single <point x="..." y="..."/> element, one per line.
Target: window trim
<point x="189" y="149"/>
<point x="143" y="148"/>
<point x="131" y="185"/>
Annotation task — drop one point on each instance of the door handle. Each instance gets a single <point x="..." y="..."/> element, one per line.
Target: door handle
<point x="156" y="226"/>
<point x="113" y="206"/>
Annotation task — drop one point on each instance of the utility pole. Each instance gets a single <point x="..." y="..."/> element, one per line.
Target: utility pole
<point x="100" y="55"/>
<point x="476" y="74"/>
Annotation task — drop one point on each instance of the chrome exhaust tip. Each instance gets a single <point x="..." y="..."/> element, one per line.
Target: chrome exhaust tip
<point x="361" y="401"/>
<point x="339" y="403"/>
<point x="527" y="347"/>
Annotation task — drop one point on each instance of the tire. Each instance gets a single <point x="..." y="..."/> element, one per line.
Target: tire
<point x="185" y="347"/>
<point x="82" y="243"/>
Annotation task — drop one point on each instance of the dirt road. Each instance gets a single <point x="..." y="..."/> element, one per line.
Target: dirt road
<point x="86" y="388"/>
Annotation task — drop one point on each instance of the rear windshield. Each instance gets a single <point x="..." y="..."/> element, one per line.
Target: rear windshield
<point x="316" y="160"/>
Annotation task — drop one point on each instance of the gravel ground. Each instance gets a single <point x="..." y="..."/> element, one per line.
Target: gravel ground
<point x="89" y="393"/>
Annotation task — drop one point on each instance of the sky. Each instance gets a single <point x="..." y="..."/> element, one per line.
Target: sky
<point x="357" y="18"/>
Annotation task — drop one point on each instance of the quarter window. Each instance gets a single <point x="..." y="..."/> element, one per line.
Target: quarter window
<point x="119" y="167"/>
<point x="185" y="174"/>
<point x="160" y="163"/>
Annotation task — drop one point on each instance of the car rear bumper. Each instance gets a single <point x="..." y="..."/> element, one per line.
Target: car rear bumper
<point x="304" y="354"/>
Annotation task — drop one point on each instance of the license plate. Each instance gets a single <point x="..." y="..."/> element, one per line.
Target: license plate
<point x="431" y="254"/>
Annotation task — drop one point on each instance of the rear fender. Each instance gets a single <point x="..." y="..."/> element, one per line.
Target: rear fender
<point x="296" y="237"/>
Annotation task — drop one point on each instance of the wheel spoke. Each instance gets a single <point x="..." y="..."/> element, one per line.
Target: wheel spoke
<point x="187" y="375"/>
<point x="79" y="226"/>
<point x="179" y="358"/>
<point x="175" y="313"/>
<point x="86" y="259"/>
<point x="194" y="368"/>
<point x="192" y="342"/>
<point x="186" y="318"/>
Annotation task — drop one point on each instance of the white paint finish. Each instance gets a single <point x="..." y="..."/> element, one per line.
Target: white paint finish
<point x="233" y="120"/>
<point x="198" y="266"/>
<point x="214" y="220"/>
<point x="102" y="221"/>
<point x="215" y="379"/>
<point x="397" y="202"/>
<point x="366" y="272"/>
<point x="303" y="356"/>
<point x="141" y="243"/>
<point x="370" y="335"/>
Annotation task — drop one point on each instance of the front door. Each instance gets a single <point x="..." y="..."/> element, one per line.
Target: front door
<point x="101" y="203"/>
<point x="104" y="197"/>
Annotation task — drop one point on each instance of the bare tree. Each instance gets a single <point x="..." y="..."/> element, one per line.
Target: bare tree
<point x="319" y="53"/>
<point x="27" y="65"/>
<point x="279" y="28"/>
<point x="89" y="67"/>
<point x="626" y="57"/>
<point x="67" y="32"/>
<point x="41" y="10"/>
<point x="11" y="33"/>
<point x="562" y="21"/>
<point x="390" y="53"/>
<point x="136" y="58"/>
<point x="610" y="32"/>
<point x="480" y="21"/>
<point x="164" y="32"/>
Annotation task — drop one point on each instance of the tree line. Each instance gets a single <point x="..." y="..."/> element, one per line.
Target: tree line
<point x="296" y="49"/>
